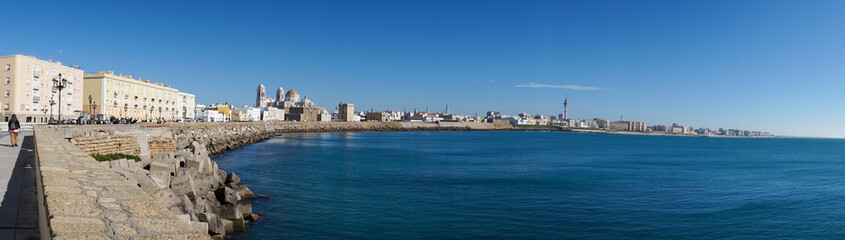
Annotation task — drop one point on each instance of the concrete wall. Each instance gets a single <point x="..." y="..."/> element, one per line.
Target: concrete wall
<point x="83" y="200"/>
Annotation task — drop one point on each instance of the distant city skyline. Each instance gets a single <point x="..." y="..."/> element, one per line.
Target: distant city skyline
<point x="763" y="65"/>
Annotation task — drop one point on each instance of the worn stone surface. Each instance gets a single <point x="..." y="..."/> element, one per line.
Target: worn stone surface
<point x="76" y="225"/>
<point x="87" y="200"/>
<point x="162" y="225"/>
<point x="123" y="229"/>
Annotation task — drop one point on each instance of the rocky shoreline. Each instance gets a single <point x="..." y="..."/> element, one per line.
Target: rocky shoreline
<point x="220" y="137"/>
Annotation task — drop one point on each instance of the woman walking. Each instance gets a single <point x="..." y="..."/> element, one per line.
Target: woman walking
<point x="14" y="129"/>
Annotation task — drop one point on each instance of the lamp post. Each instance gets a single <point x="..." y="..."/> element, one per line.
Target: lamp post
<point x="52" y="102"/>
<point x="94" y="105"/>
<point x="60" y="84"/>
<point x="90" y="99"/>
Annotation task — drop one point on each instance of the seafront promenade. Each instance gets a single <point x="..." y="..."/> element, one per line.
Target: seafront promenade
<point x="174" y="192"/>
<point x="17" y="188"/>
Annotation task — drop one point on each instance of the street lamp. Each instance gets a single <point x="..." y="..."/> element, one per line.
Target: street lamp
<point x="60" y="84"/>
<point x="94" y="105"/>
<point x="89" y="103"/>
<point x="52" y="102"/>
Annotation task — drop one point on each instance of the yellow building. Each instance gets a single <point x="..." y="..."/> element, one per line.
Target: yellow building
<point x="27" y="88"/>
<point x="222" y="109"/>
<point x="126" y="97"/>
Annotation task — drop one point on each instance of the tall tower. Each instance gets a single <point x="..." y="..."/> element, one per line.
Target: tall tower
<point x="260" y="95"/>
<point x="280" y="95"/>
<point x="565" y="106"/>
<point x="447" y="108"/>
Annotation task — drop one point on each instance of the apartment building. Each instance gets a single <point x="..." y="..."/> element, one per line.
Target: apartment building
<point x="122" y="96"/>
<point x="28" y="89"/>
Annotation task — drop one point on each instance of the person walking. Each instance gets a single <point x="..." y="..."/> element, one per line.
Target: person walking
<point x="14" y="129"/>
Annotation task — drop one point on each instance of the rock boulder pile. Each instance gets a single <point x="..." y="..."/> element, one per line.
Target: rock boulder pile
<point x="189" y="184"/>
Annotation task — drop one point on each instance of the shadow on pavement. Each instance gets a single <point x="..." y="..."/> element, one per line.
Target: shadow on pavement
<point x="19" y="211"/>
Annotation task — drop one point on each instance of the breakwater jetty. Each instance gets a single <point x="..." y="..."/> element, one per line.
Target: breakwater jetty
<point x="174" y="190"/>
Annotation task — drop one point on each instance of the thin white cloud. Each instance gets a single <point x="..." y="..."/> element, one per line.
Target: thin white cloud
<point x="570" y="87"/>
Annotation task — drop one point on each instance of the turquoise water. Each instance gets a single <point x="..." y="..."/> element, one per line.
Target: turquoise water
<point x="542" y="185"/>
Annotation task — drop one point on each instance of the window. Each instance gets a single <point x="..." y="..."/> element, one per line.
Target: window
<point x="8" y="67"/>
<point x="6" y="107"/>
<point x="8" y="80"/>
<point x="7" y="93"/>
<point x="23" y="107"/>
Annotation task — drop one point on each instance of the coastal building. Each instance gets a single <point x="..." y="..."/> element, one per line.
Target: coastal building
<point x="325" y="116"/>
<point x="493" y="114"/>
<point x="602" y="123"/>
<point x="417" y="116"/>
<point x="543" y="119"/>
<point x="660" y="128"/>
<point x="394" y="115"/>
<point x="253" y="114"/>
<point x="28" y="89"/>
<point x="210" y="114"/>
<point x="377" y="116"/>
<point x="676" y="130"/>
<point x="237" y="116"/>
<point x="345" y="112"/>
<point x="272" y="114"/>
<point x="619" y="125"/>
<point x="185" y="106"/>
<point x="122" y="96"/>
<point x="636" y="126"/>
<point x="198" y="108"/>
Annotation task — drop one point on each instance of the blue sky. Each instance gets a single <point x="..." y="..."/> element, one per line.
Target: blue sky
<point x="764" y="65"/>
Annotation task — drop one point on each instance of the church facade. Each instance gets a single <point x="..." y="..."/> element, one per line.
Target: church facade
<point x="295" y="108"/>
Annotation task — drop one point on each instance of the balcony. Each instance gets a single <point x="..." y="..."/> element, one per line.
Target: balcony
<point x="36" y="98"/>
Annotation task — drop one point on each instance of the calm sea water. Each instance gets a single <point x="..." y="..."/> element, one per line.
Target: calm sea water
<point x="542" y="185"/>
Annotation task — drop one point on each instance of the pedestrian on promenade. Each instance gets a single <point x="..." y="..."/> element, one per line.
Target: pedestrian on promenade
<point x="14" y="129"/>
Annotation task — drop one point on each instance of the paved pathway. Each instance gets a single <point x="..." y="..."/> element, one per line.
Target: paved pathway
<point x="18" y="206"/>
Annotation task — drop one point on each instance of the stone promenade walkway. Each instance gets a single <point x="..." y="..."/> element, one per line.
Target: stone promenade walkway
<point x="18" y="205"/>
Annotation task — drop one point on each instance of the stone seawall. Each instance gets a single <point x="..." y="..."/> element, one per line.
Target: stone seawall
<point x="220" y="137"/>
<point x="84" y="200"/>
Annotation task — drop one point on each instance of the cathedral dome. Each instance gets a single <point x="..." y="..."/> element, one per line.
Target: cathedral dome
<point x="292" y="96"/>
